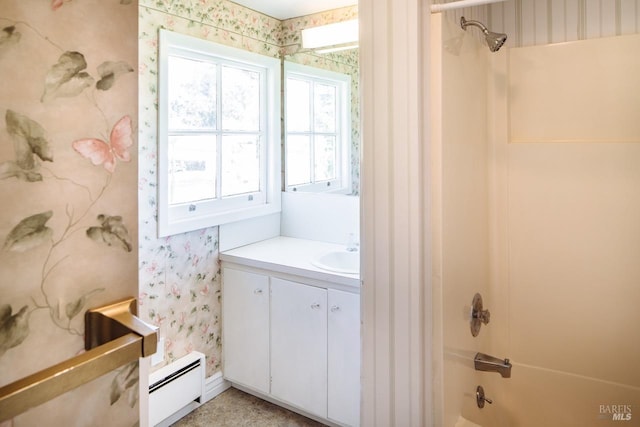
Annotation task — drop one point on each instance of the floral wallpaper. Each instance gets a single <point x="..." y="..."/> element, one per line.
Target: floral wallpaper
<point x="180" y="275"/>
<point x="68" y="168"/>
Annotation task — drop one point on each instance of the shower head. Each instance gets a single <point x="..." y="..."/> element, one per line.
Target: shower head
<point x="494" y="40"/>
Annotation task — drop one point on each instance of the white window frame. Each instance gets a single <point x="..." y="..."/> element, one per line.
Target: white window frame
<point x="207" y="213"/>
<point x="343" y="182"/>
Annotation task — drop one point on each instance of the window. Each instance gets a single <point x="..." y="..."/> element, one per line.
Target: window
<point x="219" y="134"/>
<point x="318" y="129"/>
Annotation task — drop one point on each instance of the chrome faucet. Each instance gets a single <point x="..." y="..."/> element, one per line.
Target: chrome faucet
<point x="484" y="362"/>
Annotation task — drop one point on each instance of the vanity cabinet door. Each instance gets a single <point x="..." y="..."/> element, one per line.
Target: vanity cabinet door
<point x="299" y="345"/>
<point x="344" y="357"/>
<point x="245" y="320"/>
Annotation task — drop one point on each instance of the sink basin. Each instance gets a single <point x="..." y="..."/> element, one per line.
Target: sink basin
<point x="339" y="262"/>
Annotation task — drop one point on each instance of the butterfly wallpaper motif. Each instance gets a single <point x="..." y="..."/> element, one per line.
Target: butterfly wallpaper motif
<point x="105" y="153"/>
<point x="68" y="173"/>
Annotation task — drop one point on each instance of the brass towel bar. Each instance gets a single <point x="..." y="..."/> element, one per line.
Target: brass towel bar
<point x="114" y="336"/>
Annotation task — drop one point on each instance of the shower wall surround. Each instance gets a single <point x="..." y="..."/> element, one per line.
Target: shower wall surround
<point x="68" y="172"/>
<point x="561" y="153"/>
<point x="567" y="204"/>
<point x="180" y="274"/>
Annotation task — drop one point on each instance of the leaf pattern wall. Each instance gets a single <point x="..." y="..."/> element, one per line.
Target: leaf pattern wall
<point x="68" y="228"/>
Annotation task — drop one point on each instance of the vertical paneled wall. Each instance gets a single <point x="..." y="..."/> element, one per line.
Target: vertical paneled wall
<point x="538" y="22"/>
<point x="393" y="215"/>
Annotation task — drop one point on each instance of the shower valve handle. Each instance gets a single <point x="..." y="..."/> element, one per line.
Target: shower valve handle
<point x="483" y="315"/>
<point x="478" y="315"/>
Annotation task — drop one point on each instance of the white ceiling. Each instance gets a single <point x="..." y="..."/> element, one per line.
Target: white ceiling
<point x="285" y="9"/>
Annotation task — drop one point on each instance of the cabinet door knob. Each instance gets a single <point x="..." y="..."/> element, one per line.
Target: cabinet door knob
<point x="315" y="305"/>
<point x="335" y="308"/>
<point x="257" y="291"/>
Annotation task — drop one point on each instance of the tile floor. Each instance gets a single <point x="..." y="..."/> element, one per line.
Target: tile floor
<point x="237" y="408"/>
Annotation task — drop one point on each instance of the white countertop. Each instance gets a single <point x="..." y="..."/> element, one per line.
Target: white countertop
<point x="290" y="256"/>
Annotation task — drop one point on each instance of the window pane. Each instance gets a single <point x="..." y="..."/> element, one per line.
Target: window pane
<point x="192" y="94"/>
<point x="240" y="164"/>
<point x="192" y="168"/>
<point x="325" y="158"/>
<point x="298" y="159"/>
<point x="325" y="108"/>
<point x="298" y="106"/>
<point x="240" y="99"/>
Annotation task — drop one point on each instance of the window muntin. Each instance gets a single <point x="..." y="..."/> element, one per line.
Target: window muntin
<point x="318" y="129"/>
<point x="218" y="132"/>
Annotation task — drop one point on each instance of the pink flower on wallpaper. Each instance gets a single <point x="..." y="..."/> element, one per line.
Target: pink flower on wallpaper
<point x="175" y="290"/>
<point x="182" y="318"/>
<point x="105" y="154"/>
<point x="204" y="291"/>
<point x="141" y="297"/>
<point x="195" y="260"/>
<point x="152" y="267"/>
<point x="187" y="247"/>
<point x="159" y="320"/>
<point x="204" y="328"/>
<point x="57" y="4"/>
<point x="188" y="348"/>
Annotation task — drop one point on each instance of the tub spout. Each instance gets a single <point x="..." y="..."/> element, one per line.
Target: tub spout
<point x="484" y="362"/>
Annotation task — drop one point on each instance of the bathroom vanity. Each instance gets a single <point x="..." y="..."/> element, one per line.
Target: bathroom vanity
<point x="291" y="330"/>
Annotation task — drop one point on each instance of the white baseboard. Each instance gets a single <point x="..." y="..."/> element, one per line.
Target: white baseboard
<point x="213" y="386"/>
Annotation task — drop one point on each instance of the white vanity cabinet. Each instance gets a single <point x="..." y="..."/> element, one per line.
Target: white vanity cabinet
<point x="299" y="347"/>
<point x="245" y="315"/>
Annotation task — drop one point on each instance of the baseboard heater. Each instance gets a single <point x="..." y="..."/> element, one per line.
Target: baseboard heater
<point x="175" y="386"/>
